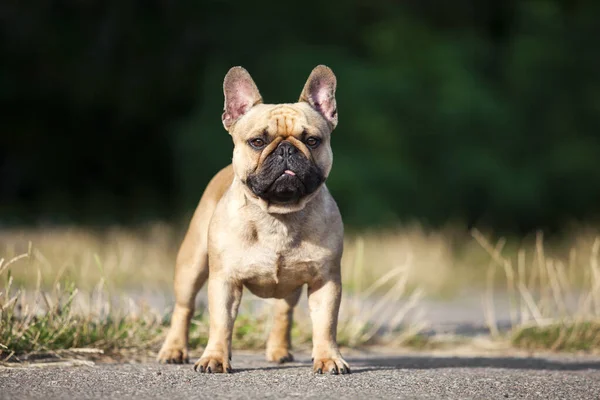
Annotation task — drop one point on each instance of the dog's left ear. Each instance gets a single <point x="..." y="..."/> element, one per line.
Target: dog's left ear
<point x="241" y="94"/>
<point x="319" y="92"/>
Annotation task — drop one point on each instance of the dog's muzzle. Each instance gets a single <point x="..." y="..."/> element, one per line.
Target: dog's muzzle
<point x="285" y="176"/>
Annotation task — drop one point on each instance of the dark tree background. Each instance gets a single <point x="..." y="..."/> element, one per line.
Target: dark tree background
<point x="483" y="111"/>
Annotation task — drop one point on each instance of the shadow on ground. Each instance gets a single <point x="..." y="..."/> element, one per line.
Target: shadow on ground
<point x="412" y="362"/>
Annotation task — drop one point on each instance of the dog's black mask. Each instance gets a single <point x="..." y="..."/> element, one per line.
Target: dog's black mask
<point x="272" y="183"/>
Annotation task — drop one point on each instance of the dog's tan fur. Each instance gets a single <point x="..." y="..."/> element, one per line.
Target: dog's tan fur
<point x="271" y="249"/>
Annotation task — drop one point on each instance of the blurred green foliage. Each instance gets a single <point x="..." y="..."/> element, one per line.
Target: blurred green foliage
<point x="482" y="111"/>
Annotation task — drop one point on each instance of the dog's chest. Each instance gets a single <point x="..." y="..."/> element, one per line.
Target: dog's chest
<point x="279" y="261"/>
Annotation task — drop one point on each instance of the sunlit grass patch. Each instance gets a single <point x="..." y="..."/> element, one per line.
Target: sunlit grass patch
<point x="443" y="262"/>
<point x="130" y="258"/>
<point x="39" y="319"/>
<point x="551" y="308"/>
<point x="429" y="259"/>
<point x="69" y="288"/>
<point x="43" y="321"/>
<point x="145" y="257"/>
<point x="559" y="336"/>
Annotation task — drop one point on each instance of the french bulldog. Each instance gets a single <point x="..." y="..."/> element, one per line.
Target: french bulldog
<point x="266" y="222"/>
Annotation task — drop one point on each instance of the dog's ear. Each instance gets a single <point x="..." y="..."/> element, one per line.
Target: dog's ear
<point x="241" y="94"/>
<point x="319" y="92"/>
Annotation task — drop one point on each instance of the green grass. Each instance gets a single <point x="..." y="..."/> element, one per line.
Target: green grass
<point x="560" y="336"/>
<point x="25" y="328"/>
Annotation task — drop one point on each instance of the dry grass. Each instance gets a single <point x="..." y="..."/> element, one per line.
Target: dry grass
<point x="554" y="303"/>
<point x="123" y="257"/>
<point x="440" y="261"/>
<point x="38" y="320"/>
<point x="69" y="289"/>
<point x="127" y="257"/>
<point x="427" y="259"/>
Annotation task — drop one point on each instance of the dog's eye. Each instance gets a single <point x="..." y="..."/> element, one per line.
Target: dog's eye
<point x="312" y="142"/>
<point x="257" y="143"/>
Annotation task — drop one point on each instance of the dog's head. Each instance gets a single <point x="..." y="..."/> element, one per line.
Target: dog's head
<point x="282" y="152"/>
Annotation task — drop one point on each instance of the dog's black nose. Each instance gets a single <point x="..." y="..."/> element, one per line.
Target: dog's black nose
<point x="286" y="149"/>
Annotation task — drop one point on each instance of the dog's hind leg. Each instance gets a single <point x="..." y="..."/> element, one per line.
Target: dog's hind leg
<point x="279" y="342"/>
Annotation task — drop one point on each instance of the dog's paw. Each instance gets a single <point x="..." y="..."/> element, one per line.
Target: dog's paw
<point x="334" y="366"/>
<point x="213" y="362"/>
<point x="173" y="354"/>
<point x="279" y="355"/>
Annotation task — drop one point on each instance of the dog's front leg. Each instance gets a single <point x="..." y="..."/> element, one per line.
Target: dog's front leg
<point x="324" y="302"/>
<point x="224" y="298"/>
<point x="191" y="272"/>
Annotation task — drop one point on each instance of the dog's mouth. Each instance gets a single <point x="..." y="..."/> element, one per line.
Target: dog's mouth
<point x="285" y="177"/>
<point x="288" y="187"/>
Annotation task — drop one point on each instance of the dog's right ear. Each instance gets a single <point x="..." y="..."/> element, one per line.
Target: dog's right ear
<point x="241" y="94"/>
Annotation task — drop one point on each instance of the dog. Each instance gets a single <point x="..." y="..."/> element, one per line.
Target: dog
<point x="266" y="222"/>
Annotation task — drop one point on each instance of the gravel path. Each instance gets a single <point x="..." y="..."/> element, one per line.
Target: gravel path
<point x="375" y="376"/>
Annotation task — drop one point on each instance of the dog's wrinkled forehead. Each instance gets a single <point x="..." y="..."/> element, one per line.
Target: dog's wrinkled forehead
<point x="280" y="120"/>
<point x="285" y="121"/>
